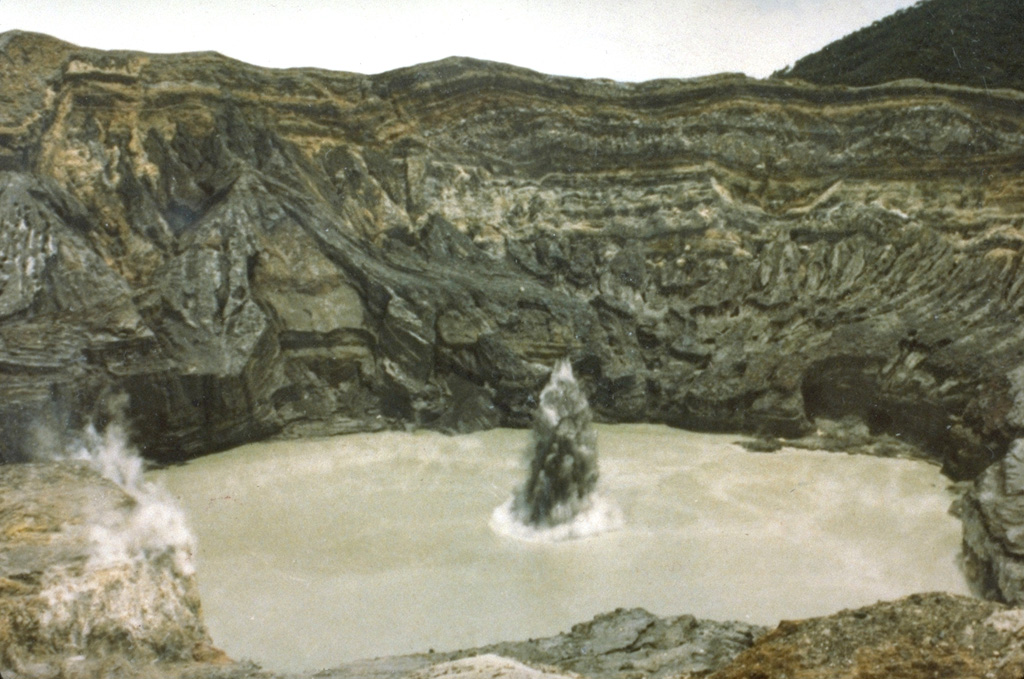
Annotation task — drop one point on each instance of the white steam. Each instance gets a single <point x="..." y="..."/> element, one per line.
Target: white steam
<point x="153" y="529"/>
<point x="133" y="590"/>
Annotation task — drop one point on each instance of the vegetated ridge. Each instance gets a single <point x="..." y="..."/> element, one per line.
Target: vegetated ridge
<point x="977" y="43"/>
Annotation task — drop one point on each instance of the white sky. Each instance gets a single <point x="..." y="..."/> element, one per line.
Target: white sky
<point x="627" y="40"/>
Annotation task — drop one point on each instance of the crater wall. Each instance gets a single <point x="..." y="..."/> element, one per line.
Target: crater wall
<point x="247" y="252"/>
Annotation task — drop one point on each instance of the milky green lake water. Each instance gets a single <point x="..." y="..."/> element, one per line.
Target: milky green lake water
<point x="312" y="553"/>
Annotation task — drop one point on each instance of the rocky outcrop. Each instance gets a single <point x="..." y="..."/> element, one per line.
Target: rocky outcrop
<point x="924" y="635"/>
<point x="993" y="516"/>
<point x="918" y="637"/>
<point x="635" y="641"/>
<point x="85" y="586"/>
<point x="617" y="645"/>
<point x="247" y="252"/>
<point x="487" y="666"/>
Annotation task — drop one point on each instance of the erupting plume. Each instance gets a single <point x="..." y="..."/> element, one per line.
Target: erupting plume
<point x="563" y="470"/>
<point x="559" y="500"/>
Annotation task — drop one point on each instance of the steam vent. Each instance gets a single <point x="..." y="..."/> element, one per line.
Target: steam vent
<point x="828" y="258"/>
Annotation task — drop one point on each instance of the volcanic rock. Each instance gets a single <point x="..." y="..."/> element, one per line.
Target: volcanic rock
<point x="923" y="635"/>
<point x="992" y="513"/>
<point x="72" y="599"/>
<point x="247" y="252"/>
<point x="918" y="637"/>
<point x="617" y="645"/>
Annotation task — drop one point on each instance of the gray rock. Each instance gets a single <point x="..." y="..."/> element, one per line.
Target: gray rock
<point x="992" y="512"/>
<point x="247" y="252"/>
<point x="617" y="645"/>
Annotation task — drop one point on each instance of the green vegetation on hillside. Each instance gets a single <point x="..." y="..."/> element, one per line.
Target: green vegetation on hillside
<point x="979" y="43"/>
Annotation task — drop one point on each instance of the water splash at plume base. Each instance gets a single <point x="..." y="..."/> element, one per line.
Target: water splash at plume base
<point x="600" y="515"/>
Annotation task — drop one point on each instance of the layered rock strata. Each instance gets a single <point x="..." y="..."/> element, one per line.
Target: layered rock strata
<point x="247" y="252"/>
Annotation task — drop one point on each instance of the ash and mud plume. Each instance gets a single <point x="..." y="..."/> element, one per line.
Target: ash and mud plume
<point x="563" y="468"/>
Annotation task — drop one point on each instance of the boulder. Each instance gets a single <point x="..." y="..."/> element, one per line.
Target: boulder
<point x="88" y="574"/>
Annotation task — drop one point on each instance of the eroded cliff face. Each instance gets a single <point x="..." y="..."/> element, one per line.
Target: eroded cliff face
<point x="247" y="252"/>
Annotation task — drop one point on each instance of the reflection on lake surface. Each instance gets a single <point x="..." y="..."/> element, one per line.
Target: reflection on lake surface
<point x="316" y="552"/>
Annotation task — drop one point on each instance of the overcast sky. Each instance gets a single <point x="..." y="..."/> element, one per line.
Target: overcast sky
<point x="621" y="39"/>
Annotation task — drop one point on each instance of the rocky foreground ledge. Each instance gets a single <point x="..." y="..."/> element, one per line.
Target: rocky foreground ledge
<point x="923" y="635"/>
<point x="89" y="578"/>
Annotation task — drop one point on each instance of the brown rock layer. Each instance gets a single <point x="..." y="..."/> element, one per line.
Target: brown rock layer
<point x="925" y="635"/>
